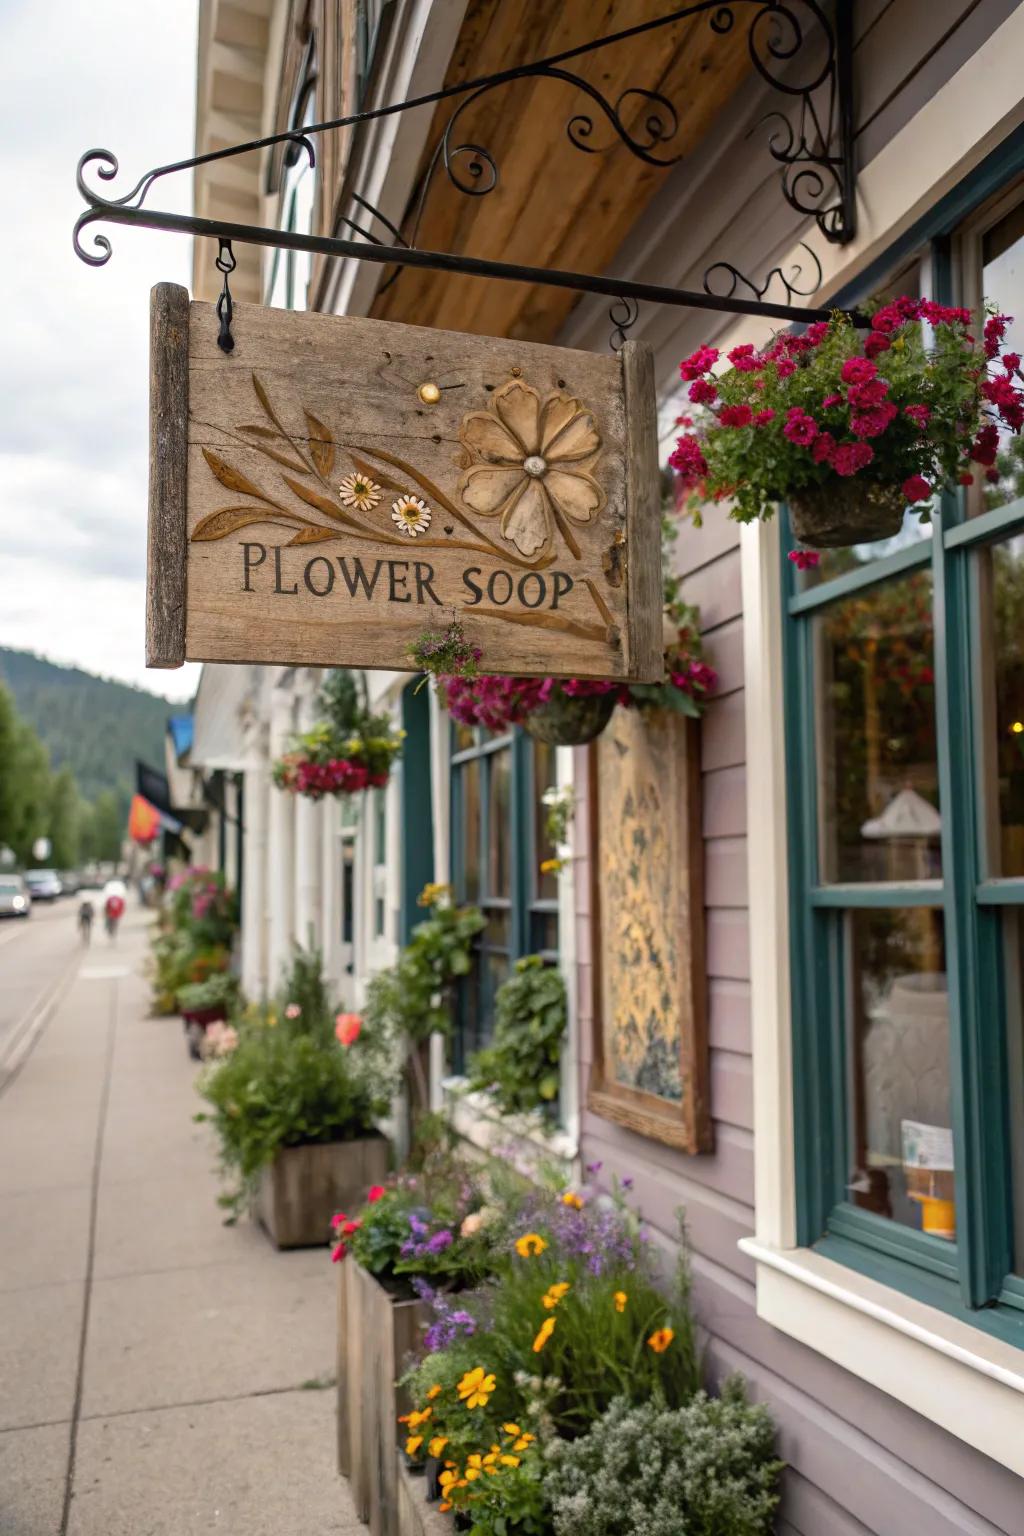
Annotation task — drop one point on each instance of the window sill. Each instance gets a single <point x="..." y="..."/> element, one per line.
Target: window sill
<point x="951" y="1373"/>
<point x="478" y="1120"/>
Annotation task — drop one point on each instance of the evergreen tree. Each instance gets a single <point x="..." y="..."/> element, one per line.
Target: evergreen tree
<point x="64" y="823"/>
<point x="30" y="765"/>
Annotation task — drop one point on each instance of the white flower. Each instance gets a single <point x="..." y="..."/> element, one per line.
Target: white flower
<point x="359" y="491"/>
<point x="411" y="515"/>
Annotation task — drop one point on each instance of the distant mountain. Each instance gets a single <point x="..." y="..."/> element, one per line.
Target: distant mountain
<point x="96" y="726"/>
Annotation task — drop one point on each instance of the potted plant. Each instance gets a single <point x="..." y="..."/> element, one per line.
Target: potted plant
<point x="520" y="1068"/>
<point x="849" y="428"/>
<point x="202" y="1003"/>
<point x="350" y="750"/>
<point x="295" y="1109"/>
<point x="421" y="1233"/>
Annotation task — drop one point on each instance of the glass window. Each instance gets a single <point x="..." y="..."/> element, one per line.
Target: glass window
<point x="877" y="756"/>
<point x="1002" y="642"/>
<point x="1002" y="282"/>
<point x="901" y="1138"/>
<point x="496" y="786"/>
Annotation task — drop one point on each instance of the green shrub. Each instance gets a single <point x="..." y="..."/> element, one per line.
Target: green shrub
<point x="521" y="1066"/>
<point x="706" y="1469"/>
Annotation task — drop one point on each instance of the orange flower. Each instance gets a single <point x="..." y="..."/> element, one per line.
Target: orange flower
<point x="530" y="1245"/>
<point x="620" y="1298"/>
<point x="544" y="1333"/>
<point x="413" y="1444"/>
<point x="347" y="1027"/>
<point x="555" y="1294"/>
<point x="437" y="1445"/>
<point x="574" y="1200"/>
<point x="660" y="1339"/>
<point x="435" y="1391"/>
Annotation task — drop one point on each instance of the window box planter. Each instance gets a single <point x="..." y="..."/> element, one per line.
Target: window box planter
<point x="302" y="1188"/>
<point x="377" y="1328"/>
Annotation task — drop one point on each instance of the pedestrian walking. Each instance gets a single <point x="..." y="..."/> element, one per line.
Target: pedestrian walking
<point x="86" y="912"/>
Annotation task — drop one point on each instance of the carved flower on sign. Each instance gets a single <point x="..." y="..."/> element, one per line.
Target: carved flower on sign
<point x="529" y="455"/>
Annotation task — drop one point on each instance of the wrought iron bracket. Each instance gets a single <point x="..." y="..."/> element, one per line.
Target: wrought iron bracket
<point x="811" y="65"/>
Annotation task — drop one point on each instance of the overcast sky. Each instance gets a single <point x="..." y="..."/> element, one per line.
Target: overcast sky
<point x="118" y="75"/>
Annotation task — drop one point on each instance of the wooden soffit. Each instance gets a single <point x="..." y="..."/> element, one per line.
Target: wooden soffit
<point x="554" y="205"/>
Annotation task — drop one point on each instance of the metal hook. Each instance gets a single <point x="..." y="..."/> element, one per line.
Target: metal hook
<point x="225" y="309"/>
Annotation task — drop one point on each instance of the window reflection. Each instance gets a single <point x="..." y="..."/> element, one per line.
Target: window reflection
<point x="1006" y="732"/>
<point x="469" y="801"/>
<point x="499" y="859"/>
<point x="879" y="774"/>
<point x="1002" y="283"/>
<point x="545" y="776"/>
<point x="901" y="1152"/>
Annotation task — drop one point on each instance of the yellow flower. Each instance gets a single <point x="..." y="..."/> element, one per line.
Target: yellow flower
<point x="530" y="1245"/>
<point x="555" y="1294"/>
<point x="417" y="1417"/>
<point x="620" y="1298"/>
<point x="522" y="1443"/>
<point x="550" y="866"/>
<point x="573" y="1200"/>
<point x="432" y="893"/>
<point x="475" y="1388"/>
<point x="544" y="1333"/>
<point x="511" y="1429"/>
<point x="437" y="1445"/>
<point x="510" y="1461"/>
<point x="435" y="1391"/>
<point x="413" y="1444"/>
<point x="660" y="1339"/>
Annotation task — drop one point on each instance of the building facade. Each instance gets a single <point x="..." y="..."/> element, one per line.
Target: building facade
<point x="859" y="971"/>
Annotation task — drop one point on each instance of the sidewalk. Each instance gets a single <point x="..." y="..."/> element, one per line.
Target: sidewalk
<point x="160" y="1374"/>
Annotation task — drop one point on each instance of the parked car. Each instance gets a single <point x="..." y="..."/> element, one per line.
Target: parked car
<point x="15" y="900"/>
<point x="70" y="882"/>
<point x="43" y="884"/>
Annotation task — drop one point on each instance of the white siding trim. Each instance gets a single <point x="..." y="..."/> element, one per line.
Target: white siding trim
<point x="951" y="1373"/>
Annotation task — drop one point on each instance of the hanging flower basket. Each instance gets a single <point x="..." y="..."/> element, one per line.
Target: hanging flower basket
<point x="846" y="512"/>
<point x="347" y="752"/>
<point x="571" y="719"/>
<point x="849" y="427"/>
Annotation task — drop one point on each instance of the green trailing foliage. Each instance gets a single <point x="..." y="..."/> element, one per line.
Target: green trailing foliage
<point x="521" y="1066"/>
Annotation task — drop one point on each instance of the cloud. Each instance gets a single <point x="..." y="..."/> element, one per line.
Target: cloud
<point x="74" y="362"/>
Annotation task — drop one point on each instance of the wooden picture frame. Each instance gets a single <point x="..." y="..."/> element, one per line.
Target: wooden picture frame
<point x="647" y="912"/>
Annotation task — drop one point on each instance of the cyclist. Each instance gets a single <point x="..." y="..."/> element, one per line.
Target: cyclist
<point x="113" y="911"/>
<point x="85" y="917"/>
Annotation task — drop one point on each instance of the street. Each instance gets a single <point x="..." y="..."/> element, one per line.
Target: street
<point x="158" y="1370"/>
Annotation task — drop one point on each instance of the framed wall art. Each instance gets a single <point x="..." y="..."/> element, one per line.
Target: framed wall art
<point x="650" y="1066"/>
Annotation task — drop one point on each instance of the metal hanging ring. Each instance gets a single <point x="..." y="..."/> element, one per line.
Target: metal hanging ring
<point x="225" y="263"/>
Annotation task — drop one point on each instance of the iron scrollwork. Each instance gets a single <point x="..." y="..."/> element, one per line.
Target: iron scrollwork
<point x="792" y="46"/>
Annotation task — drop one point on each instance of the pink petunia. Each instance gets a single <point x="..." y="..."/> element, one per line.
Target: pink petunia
<point x="916" y="488"/>
<point x="800" y="428"/>
<point x="702" y="391"/>
<point x="858" y="370"/>
<point x="698" y="362"/>
<point x="735" y="415"/>
<point x="374" y="1193"/>
<point x="764" y="417"/>
<point x="805" y="559"/>
<point x="851" y="457"/>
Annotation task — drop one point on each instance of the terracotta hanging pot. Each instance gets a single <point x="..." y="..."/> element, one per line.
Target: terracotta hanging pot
<point x="568" y="720"/>
<point x="846" y="512"/>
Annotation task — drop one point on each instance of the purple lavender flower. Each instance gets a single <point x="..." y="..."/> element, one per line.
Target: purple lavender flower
<point x="594" y="1168"/>
<point x="440" y="1241"/>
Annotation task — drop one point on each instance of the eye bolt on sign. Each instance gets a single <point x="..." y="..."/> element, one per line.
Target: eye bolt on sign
<point x="337" y="487"/>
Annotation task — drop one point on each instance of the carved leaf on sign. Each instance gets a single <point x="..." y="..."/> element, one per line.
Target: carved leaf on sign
<point x="529" y="455"/>
<point x="532" y="462"/>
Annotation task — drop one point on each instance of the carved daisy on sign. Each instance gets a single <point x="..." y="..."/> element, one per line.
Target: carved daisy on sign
<point x="529" y="471"/>
<point x="410" y="515"/>
<point x="359" y="491"/>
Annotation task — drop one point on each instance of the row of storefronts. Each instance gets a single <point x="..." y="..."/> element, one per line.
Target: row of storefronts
<point x="817" y="1051"/>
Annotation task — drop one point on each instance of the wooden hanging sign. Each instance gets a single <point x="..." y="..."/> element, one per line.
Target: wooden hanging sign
<point x="336" y="487"/>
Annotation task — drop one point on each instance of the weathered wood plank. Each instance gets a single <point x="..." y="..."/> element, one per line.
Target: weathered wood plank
<point x="166" y="551"/>
<point x="352" y="485"/>
<point x="303" y="1187"/>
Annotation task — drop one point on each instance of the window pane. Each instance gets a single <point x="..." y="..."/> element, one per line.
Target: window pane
<point x="464" y="737"/>
<point x="1002" y="282"/>
<point x="1015" y="1068"/>
<point x="879" y="776"/>
<point x="467" y="879"/>
<point x="836" y="562"/>
<point x="1006" y="618"/>
<point x="545" y="776"/>
<point x="499" y="832"/>
<point x="544" y="932"/>
<point x="901" y="1140"/>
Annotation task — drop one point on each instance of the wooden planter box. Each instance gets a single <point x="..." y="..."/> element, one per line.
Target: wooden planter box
<point x="303" y="1187"/>
<point x="376" y="1332"/>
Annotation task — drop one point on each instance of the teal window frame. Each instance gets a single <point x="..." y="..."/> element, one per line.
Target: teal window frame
<point x="525" y="906"/>
<point x="970" y="1277"/>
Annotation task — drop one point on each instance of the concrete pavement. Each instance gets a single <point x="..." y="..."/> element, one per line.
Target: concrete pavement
<point x="160" y="1374"/>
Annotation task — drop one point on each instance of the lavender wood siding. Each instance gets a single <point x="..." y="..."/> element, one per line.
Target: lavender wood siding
<point x="860" y="1464"/>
